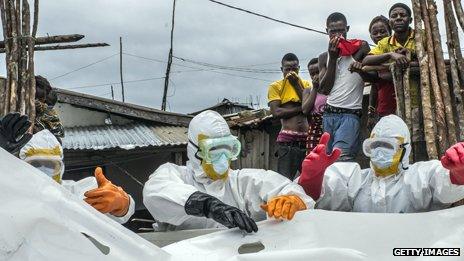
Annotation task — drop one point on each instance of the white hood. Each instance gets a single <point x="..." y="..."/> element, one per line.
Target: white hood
<point x="392" y="126"/>
<point x="211" y="124"/>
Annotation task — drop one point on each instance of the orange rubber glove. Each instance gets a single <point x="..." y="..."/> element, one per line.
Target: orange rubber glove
<point x="284" y="206"/>
<point x="107" y="198"/>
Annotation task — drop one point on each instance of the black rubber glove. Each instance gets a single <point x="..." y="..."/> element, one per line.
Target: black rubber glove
<point x="13" y="132"/>
<point x="203" y="205"/>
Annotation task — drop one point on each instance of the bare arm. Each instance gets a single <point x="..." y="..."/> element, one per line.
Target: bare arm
<point x="357" y="65"/>
<point x="296" y="84"/>
<point x="372" y="59"/>
<point x="283" y="113"/>
<point x="326" y="73"/>
<point x="309" y="98"/>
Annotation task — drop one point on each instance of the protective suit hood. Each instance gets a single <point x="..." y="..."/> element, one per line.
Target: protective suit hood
<point x="212" y="125"/>
<point x="392" y="126"/>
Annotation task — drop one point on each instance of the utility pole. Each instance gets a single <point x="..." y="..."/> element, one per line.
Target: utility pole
<point x="168" y="68"/>
<point x="120" y="68"/>
<point x="112" y="92"/>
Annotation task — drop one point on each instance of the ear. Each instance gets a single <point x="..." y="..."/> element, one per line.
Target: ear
<point x="282" y="69"/>
<point x="347" y="28"/>
<point x="327" y="30"/>
<point x="410" y="20"/>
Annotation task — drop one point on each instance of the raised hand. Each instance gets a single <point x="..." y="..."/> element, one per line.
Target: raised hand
<point x="314" y="166"/>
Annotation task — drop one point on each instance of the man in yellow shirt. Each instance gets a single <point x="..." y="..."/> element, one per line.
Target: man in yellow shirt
<point x="284" y="99"/>
<point x="401" y="48"/>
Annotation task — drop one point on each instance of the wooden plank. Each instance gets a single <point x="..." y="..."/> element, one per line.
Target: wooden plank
<point x="54" y="39"/>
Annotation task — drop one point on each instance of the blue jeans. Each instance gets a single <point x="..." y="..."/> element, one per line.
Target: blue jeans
<point x="344" y="130"/>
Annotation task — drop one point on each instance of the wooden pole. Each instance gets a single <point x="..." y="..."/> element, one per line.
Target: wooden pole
<point x="13" y="63"/>
<point x="440" y="117"/>
<point x="425" y="84"/>
<point x="456" y="82"/>
<point x="407" y="99"/>
<point x="31" y="65"/>
<point x="399" y="90"/>
<point x="120" y="69"/>
<point x="441" y="69"/>
<point x="64" y="47"/>
<point x="54" y="39"/>
<point x="23" y="51"/>
<point x="4" y="100"/>
<point x="168" y="68"/>
<point x="112" y="93"/>
<point x="455" y="36"/>
<point x="19" y="93"/>
<point x="459" y="12"/>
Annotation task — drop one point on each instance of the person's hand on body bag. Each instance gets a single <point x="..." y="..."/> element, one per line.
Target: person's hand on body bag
<point x="107" y="198"/>
<point x="203" y="205"/>
<point x="284" y="206"/>
<point x="314" y="166"/>
<point x="453" y="160"/>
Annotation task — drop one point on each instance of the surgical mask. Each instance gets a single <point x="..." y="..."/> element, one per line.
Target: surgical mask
<point x="221" y="165"/>
<point x="382" y="157"/>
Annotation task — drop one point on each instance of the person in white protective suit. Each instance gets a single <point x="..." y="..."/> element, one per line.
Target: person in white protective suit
<point x="208" y="194"/>
<point x="391" y="185"/>
<point x="45" y="153"/>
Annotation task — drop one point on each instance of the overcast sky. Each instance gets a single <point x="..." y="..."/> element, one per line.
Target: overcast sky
<point x="204" y="32"/>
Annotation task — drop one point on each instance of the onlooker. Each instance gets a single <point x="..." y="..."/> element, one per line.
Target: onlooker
<point x="382" y="100"/>
<point x="400" y="48"/>
<point x="313" y="106"/>
<point x="342" y="80"/>
<point x="284" y="98"/>
<point x="46" y="117"/>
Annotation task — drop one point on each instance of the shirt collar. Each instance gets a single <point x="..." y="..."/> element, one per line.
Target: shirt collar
<point x="410" y="37"/>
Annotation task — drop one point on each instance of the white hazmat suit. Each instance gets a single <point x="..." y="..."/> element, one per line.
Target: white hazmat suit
<point x="45" y="148"/>
<point x="170" y="186"/>
<point x="419" y="187"/>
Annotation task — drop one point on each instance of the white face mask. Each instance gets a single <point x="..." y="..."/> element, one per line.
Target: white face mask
<point x="221" y="165"/>
<point x="382" y="157"/>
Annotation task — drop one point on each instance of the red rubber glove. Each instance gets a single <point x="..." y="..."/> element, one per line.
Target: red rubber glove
<point x="454" y="161"/>
<point x="314" y="166"/>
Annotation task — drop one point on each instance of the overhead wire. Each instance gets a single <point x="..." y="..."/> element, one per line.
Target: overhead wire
<point x="115" y="83"/>
<point x="267" y="17"/>
<point x="83" y="67"/>
<point x="200" y="69"/>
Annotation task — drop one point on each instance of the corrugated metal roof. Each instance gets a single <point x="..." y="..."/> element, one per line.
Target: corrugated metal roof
<point x="123" y="136"/>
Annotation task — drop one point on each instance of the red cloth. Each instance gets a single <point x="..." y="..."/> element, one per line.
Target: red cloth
<point x="454" y="161"/>
<point x="386" y="99"/>
<point x="349" y="47"/>
<point x="314" y="166"/>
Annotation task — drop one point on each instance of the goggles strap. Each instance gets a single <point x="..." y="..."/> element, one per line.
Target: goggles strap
<point x="403" y="147"/>
<point x="198" y="150"/>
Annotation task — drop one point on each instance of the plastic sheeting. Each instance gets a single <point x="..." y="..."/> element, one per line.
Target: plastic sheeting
<point x="40" y="220"/>
<point x="329" y="235"/>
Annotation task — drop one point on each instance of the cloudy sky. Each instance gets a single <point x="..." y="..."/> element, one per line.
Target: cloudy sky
<point x="205" y="33"/>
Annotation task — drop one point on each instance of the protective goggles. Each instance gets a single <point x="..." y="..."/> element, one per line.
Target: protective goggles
<point x="51" y="168"/>
<point x="393" y="144"/>
<point x="212" y="149"/>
